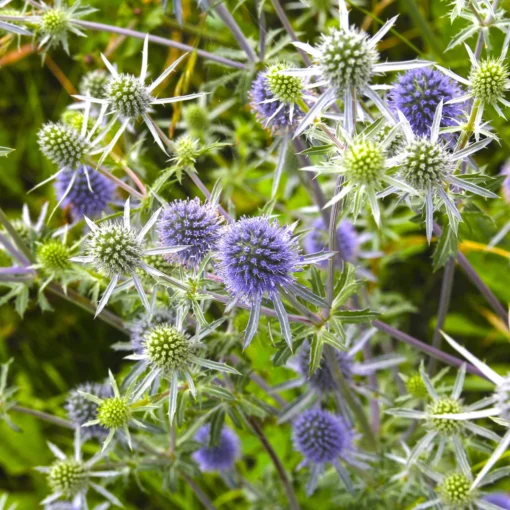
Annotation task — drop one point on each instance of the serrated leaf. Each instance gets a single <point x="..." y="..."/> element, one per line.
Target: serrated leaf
<point x="316" y="347"/>
<point x="446" y="247"/>
<point x="318" y="150"/>
<point x="21" y="302"/>
<point x="217" y="421"/>
<point x="355" y="316"/>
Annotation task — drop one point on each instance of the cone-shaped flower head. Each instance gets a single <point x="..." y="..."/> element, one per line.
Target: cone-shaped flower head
<point x="54" y="23"/>
<point x="320" y="436"/>
<point x="415" y="386"/>
<point x="287" y="89"/>
<point x="255" y="256"/>
<point x="219" y="457"/>
<point x="166" y="347"/>
<point x="455" y="491"/>
<point x="80" y="198"/>
<point x="364" y="162"/>
<point x="444" y="405"/>
<point x="196" y="118"/>
<point x="54" y="256"/>
<point x="489" y="80"/>
<point x="347" y="59"/>
<point x="189" y="223"/>
<point x="114" y="412"/>
<point x="418" y="92"/>
<point x="145" y="322"/>
<point x="67" y="477"/>
<point x="62" y="144"/>
<point x="128" y="95"/>
<point x="94" y="83"/>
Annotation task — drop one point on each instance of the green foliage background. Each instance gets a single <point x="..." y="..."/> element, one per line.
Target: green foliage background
<point x="53" y="352"/>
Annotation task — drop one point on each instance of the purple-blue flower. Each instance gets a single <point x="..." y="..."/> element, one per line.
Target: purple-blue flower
<point x="322" y="437"/>
<point x="499" y="499"/>
<point x="505" y="187"/>
<point x="190" y="223"/>
<point x="416" y="93"/>
<point x="220" y="457"/>
<point x="347" y="240"/>
<point x="257" y="256"/>
<point x="322" y="380"/>
<point x="265" y="112"/>
<point x="80" y="198"/>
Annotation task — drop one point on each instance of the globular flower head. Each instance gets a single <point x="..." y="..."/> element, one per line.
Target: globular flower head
<point x="94" y="83"/>
<point x="62" y="144"/>
<point x="54" y="23"/>
<point x="186" y="151"/>
<point x="115" y="249"/>
<point x="288" y="89"/>
<point x="347" y="59"/>
<point x="489" y="80"/>
<point x="145" y="322"/>
<point x="426" y="164"/>
<point x="347" y="240"/>
<point x="417" y="93"/>
<point x="320" y="436"/>
<point x="75" y="120"/>
<point x="189" y="223"/>
<point x="81" y="410"/>
<point x="80" y="199"/>
<point x="166" y="347"/>
<point x="395" y="146"/>
<point x="114" y="412"/>
<point x="53" y="256"/>
<point x="274" y="114"/>
<point x="196" y="118"/>
<point x="128" y="95"/>
<point x="455" y="492"/>
<point x="364" y="162"/>
<point x="415" y="386"/>
<point x="322" y="380"/>
<point x="220" y="457"/>
<point x="67" y="477"/>
<point x="255" y="256"/>
<point x="444" y="405"/>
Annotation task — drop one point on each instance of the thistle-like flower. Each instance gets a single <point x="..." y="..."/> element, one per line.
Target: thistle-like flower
<point x="53" y="256"/>
<point x="418" y="92"/>
<point x="81" y="410"/>
<point x="324" y="438"/>
<point x="115" y="412"/>
<point x="440" y="420"/>
<point x="94" y="83"/>
<point x="268" y="103"/>
<point x="116" y="249"/>
<point x="146" y="321"/>
<point x="219" y="457"/>
<point x="189" y="223"/>
<point x="128" y="98"/>
<point x="345" y="61"/>
<point x="429" y="166"/>
<point x="257" y="257"/>
<point x="70" y="478"/>
<point x="169" y="353"/>
<point x="90" y="195"/>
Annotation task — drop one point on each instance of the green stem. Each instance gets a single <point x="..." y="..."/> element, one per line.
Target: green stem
<point x="61" y="422"/>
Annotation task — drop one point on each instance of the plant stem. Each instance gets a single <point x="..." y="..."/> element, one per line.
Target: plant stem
<point x="61" y="422"/>
<point x="444" y="303"/>
<point x="15" y="237"/>
<point x="101" y="27"/>
<point x="293" y="504"/>
<point x="200" y="494"/>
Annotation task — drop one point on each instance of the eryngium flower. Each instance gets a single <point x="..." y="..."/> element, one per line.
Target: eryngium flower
<point x="67" y="477"/>
<point x="322" y="380"/>
<point x="189" y="223"/>
<point x="220" y="457"/>
<point x="346" y="239"/>
<point x="62" y="144"/>
<point x="166" y="347"/>
<point x="320" y="436"/>
<point x="114" y="412"/>
<point x="128" y="95"/>
<point x="347" y="59"/>
<point x="271" y="113"/>
<point x="196" y="118"/>
<point x="81" y="200"/>
<point x="489" y="80"/>
<point x="54" y="256"/>
<point x="94" y="83"/>
<point x="417" y="93"/>
<point x="287" y="89"/>
<point x="144" y="322"/>
<point x="257" y="256"/>
<point x="455" y="491"/>
<point x="81" y="410"/>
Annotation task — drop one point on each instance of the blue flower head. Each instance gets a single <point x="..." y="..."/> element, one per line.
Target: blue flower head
<point x="505" y="187"/>
<point x="416" y="93"/>
<point x="347" y="240"/>
<point x="322" y="380"/>
<point x="322" y="437"/>
<point x="81" y="200"/>
<point x="266" y="112"/>
<point x="190" y="223"/>
<point x="499" y="499"/>
<point x="257" y="256"/>
<point x="220" y="457"/>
